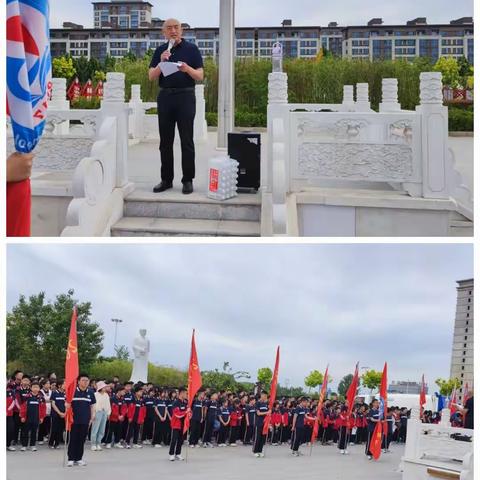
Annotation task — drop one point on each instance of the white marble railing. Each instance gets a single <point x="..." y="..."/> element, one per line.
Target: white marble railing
<point x="430" y="446"/>
<point x="349" y="142"/>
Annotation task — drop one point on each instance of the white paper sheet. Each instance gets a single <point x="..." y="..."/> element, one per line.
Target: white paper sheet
<point x="168" y="68"/>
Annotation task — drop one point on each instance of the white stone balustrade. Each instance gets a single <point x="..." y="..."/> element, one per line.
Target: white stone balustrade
<point x="389" y="96"/>
<point x="348" y="100"/>
<point x="59" y="102"/>
<point x="363" y="102"/>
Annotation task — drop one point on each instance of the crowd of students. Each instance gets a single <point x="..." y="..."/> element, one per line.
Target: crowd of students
<point x="116" y="415"/>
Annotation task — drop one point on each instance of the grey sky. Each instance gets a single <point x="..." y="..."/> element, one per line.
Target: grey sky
<point x="335" y="304"/>
<point x="204" y="13"/>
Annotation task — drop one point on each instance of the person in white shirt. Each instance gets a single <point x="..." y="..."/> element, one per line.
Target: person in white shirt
<point x="102" y="412"/>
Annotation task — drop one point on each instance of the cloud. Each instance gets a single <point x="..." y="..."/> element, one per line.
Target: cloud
<point x="335" y="304"/>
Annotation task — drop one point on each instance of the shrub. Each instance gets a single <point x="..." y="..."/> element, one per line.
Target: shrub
<point x="460" y="119"/>
<point x="83" y="103"/>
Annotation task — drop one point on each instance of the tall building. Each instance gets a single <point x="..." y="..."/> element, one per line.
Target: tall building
<point x="406" y="387"/>
<point x="122" y="14"/>
<point x="116" y="35"/>
<point x="462" y="349"/>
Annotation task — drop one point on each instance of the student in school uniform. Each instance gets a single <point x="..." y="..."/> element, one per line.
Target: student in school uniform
<point x="149" y="401"/>
<point x="32" y="414"/>
<point x="162" y="422"/>
<point x="343" y="423"/>
<point x="249" y="421"/>
<point x="309" y="422"/>
<point x="196" y="420"/>
<point x="387" y="439"/>
<point x="373" y="417"/>
<point x="128" y="399"/>
<point x="83" y="408"/>
<point x="44" y="427"/>
<point x="119" y="410"/>
<point x="243" y="423"/>
<point x="103" y="410"/>
<point x="57" y="400"/>
<point x="179" y="411"/>
<point x="224" y="417"/>
<point x="236" y="415"/>
<point x="210" y="415"/>
<point x="171" y="399"/>
<point x="10" y="404"/>
<point x="136" y="416"/>
<point x="402" y="433"/>
<point x="261" y="411"/>
<point x="298" y="425"/>
<point x="276" y="424"/>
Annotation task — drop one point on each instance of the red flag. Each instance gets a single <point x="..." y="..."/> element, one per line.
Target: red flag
<point x="376" y="441"/>
<point x="423" y="397"/>
<point x="273" y="394"/>
<point x="194" y="380"/>
<point x="453" y="401"/>
<point x="71" y="369"/>
<point x="466" y="395"/>
<point x="352" y="392"/>
<point x="321" y="398"/>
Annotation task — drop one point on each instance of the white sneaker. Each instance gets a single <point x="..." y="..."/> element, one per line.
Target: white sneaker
<point x="128" y="446"/>
<point x="197" y="446"/>
<point x="145" y="442"/>
<point x="11" y="449"/>
<point x="33" y="449"/>
<point x="171" y="458"/>
<point x="93" y="448"/>
<point x="157" y="445"/>
<point x="136" y="445"/>
<point x="81" y="463"/>
<point x="118" y="445"/>
<point x="342" y="452"/>
<point x="262" y="454"/>
<point x="23" y="449"/>
<point x="192" y="446"/>
<point x="233" y="445"/>
<point x="70" y="463"/>
<point x="99" y="447"/>
<point x="40" y="443"/>
<point x="257" y="455"/>
<point x="179" y="457"/>
<point x="109" y="446"/>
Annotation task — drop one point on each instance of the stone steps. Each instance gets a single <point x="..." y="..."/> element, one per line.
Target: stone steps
<point x="180" y="227"/>
<point x="173" y="214"/>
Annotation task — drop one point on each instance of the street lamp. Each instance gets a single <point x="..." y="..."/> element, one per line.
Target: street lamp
<point x="116" y="321"/>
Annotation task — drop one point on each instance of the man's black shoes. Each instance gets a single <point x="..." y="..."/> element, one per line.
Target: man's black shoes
<point x="162" y="187"/>
<point x="187" y="188"/>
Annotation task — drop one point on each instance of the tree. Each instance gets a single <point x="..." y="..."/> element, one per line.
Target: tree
<point x="81" y="65"/>
<point x="447" y="386"/>
<point x="99" y="76"/>
<point x="130" y="56"/>
<point x="37" y="333"/>
<point x="109" y="63"/>
<point x="344" y="384"/>
<point x="62" y="67"/>
<point x="450" y="71"/>
<point x="371" y="379"/>
<point x="264" y="376"/>
<point x="122" y="352"/>
<point x="314" y="379"/>
<point x="465" y="70"/>
<point x="218" y="380"/>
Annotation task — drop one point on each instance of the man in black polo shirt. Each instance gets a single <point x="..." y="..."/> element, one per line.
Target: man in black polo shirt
<point x="176" y="103"/>
<point x="83" y="415"/>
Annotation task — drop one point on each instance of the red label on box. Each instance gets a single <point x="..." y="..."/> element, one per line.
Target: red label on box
<point x="213" y="180"/>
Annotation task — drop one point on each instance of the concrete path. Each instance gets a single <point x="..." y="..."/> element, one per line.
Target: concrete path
<point x="212" y="464"/>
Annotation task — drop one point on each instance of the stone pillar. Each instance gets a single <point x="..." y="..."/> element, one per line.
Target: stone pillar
<point x="200" y="124"/>
<point x="348" y="101"/>
<point x="436" y="172"/>
<point x="390" y="96"/>
<point x="59" y="102"/>
<point x="113" y="105"/>
<point x="226" y="72"/>
<point x="135" y="119"/>
<point x="277" y="98"/>
<point x="363" y="103"/>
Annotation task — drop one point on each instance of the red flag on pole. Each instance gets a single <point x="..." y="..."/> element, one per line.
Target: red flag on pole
<point x="321" y="398"/>
<point x="466" y="395"/>
<point x="194" y="380"/>
<point x="423" y="397"/>
<point x="273" y="394"/>
<point x="376" y="441"/>
<point x="453" y="401"/>
<point x="71" y="369"/>
<point x="352" y="392"/>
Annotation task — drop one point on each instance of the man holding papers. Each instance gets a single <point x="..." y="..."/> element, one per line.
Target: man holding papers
<point x="178" y="65"/>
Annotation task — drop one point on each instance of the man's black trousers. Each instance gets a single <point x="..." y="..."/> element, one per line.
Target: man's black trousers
<point x="76" y="443"/>
<point x="176" y="107"/>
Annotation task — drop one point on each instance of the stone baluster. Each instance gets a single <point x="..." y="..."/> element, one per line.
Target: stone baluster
<point x="348" y="103"/>
<point x="363" y="103"/>
<point x="277" y="88"/>
<point x="59" y="102"/>
<point x="135" y="119"/>
<point x="113" y="105"/>
<point x="200" y="124"/>
<point x="389" y="96"/>
<point x="438" y="174"/>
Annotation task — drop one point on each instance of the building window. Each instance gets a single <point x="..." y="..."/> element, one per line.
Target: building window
<point x="465" y="338"/>
<point x="464" y="352"/>
<point x="466" y="330"/>
<point x="462" y="377"/>
<point x="468" y="308"/>
<point x="468" y="315"/>
<point x="464" y="345"/>
<point x="463" y="368"/>
<point x="463" y="360"/>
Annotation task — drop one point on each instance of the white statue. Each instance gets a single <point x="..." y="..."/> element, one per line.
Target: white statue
<point x="141" y="348"/>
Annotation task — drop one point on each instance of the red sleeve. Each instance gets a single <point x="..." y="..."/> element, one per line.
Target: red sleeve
<point x="23" y="410"/>
<point x="124" y="410"/>
<point x="131" y="411"/>
<point x="178" y="413"/>
<point x="141" y="414"/>
<point x="42" y="410"/>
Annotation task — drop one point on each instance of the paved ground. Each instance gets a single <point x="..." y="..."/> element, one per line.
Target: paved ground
<point x="144" y="161"/>
<point x="212" y="464"/>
